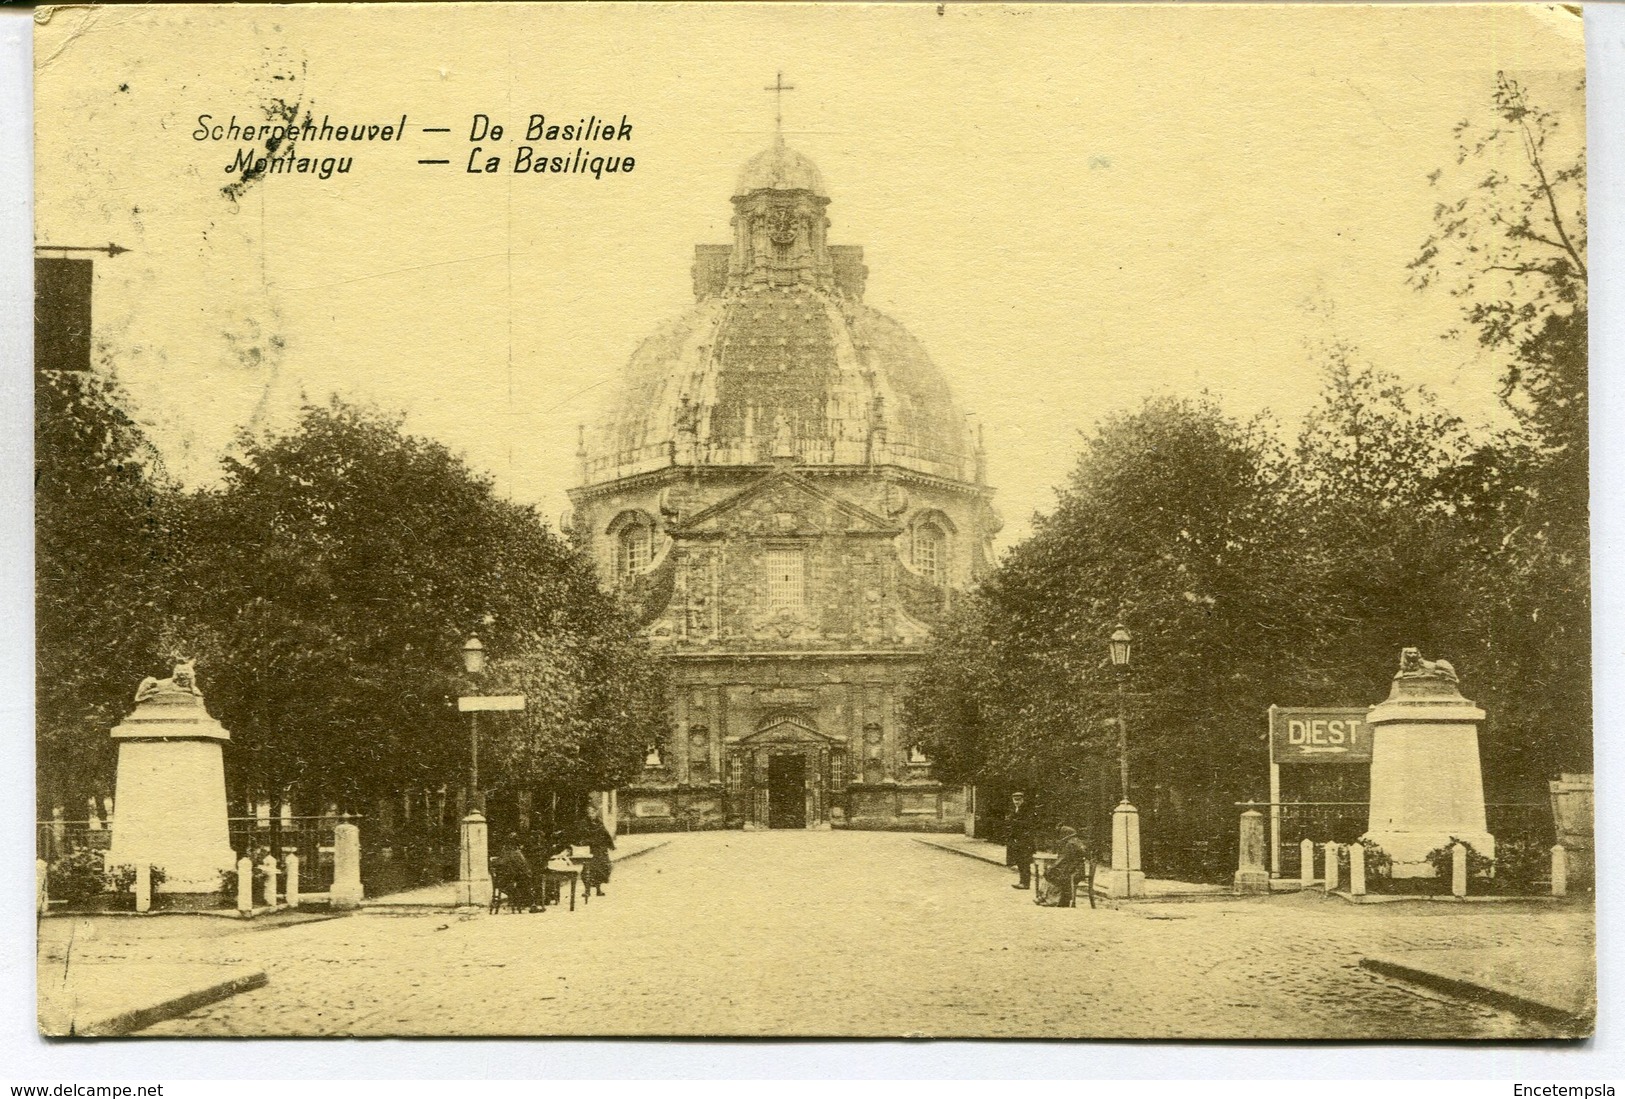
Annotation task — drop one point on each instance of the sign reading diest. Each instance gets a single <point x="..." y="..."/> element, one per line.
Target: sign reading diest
<point x="1319" y="735"/>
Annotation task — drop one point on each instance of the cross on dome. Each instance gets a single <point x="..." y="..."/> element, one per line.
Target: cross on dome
<point x="779" y="87"/>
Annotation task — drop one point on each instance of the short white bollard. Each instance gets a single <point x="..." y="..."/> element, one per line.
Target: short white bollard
<point x="1306" y="863"/>
<point x="1458" y="870"/>
<point x="268" y="868"/>
<point x="291" y="890"/>
<point x="143" y="887"/>
<point x="42" y="886"/>
<point x="346" y="891"/>
<point x="1356" y="869"/>
<point x="245" y="886"/>
<point x="1331" y="866"/>
<point x="1560" y="870"/>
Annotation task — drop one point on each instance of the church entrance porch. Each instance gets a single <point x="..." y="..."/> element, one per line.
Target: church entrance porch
<point x="779" y="786"/>
<point x="782" y="776"/>
<point x="787" y="791"/>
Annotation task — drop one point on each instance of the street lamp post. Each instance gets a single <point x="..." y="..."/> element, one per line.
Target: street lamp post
<point x="1121" y="645"/>
<point x="474" y="665"/>
<point x="1125" y="878"/>
<point x="474" y="872"/>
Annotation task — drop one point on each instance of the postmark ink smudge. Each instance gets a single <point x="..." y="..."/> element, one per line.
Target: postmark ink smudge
<point x="277" y="111"/>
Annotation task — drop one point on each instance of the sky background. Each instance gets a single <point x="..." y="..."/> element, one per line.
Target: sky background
<point x="1071" y="207"/>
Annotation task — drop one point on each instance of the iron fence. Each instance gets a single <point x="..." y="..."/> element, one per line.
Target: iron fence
<point x="54" y="839"/>
<point x="1320" y="821"/>
<point x="408" y="855"/>
<point x="311" y="838"/>
<point x="1344" y="822"/>
<point x="1531" y="821"/>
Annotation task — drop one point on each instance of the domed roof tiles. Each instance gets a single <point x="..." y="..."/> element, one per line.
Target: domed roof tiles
<point x="851" y="384"/>
<point x="791" y="354"/>
<point x="780" y="168"/>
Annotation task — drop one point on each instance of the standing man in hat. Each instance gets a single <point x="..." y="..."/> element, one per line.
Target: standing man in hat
<point x="1020" y="840"/>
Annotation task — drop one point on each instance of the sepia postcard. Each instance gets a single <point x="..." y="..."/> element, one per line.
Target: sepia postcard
<point x="813" y="521"/>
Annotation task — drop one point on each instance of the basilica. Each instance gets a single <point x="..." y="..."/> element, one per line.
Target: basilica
<point x="785" y="491"/>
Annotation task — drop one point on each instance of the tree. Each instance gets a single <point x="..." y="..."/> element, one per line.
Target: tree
<point x="1375" y="443"/>
<point x="1251" y="576"/>
<point x="957" y="695"/>
<point x="104" y="511"/>
<point x="1512" y="248"/>
<point x="1173" y="524"/>
<point x="334" y="577"/>
<point x="1381" y="485"/>
<point x="596" y="702"/>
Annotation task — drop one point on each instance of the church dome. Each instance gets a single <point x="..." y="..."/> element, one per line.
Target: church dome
<point x="780" y="358"/>
<point x="780" y="168"/>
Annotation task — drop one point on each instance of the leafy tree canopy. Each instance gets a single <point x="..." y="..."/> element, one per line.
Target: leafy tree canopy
<point x="1173" y="523"/>
<point x="104" y="515"/>
<point x="1511" y="247"/>
<point x="334" y="577"/>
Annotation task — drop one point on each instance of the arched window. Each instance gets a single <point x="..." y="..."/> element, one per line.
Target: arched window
<point x="929" y="553"/>
<point x="632" y="550"/>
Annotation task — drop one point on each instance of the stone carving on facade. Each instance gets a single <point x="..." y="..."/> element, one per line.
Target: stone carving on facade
<point x="785" y="624"/>
<point x="688" y="417"/>
<point x="649" y="594"/>
<point x="781" y="225"/>
<point x="784" y="439"/>
<point x="698" y="596"/>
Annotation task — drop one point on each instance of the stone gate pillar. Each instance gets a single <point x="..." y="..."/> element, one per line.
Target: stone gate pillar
<point x="1124" y="878"/>
<point x="1251" y="877"/>
<point x="473" y="863"/>
<point x="1427" y="785"/>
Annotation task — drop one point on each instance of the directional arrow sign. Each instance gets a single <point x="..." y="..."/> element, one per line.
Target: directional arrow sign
<point x="110" y="249"/>
<point x="470" y="703"/>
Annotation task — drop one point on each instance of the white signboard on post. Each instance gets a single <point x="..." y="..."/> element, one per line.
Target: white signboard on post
<point x="470" y="703"/>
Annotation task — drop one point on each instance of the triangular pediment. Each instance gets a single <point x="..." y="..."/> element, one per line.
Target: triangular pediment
<point x="784" y="503"/>
<point x="788" y="730"/>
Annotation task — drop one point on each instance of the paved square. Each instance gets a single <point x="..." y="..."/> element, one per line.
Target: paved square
<point x="855" y="933"/>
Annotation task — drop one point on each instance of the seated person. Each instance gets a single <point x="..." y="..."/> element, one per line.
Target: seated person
<point x="1065" y="872"/>
<point x="512" y="874"/>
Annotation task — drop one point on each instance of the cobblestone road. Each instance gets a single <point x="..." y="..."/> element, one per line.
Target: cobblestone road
<point x="839" y="934"/>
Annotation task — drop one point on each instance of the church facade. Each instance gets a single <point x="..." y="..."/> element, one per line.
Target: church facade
<point x="786" y="493"/>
